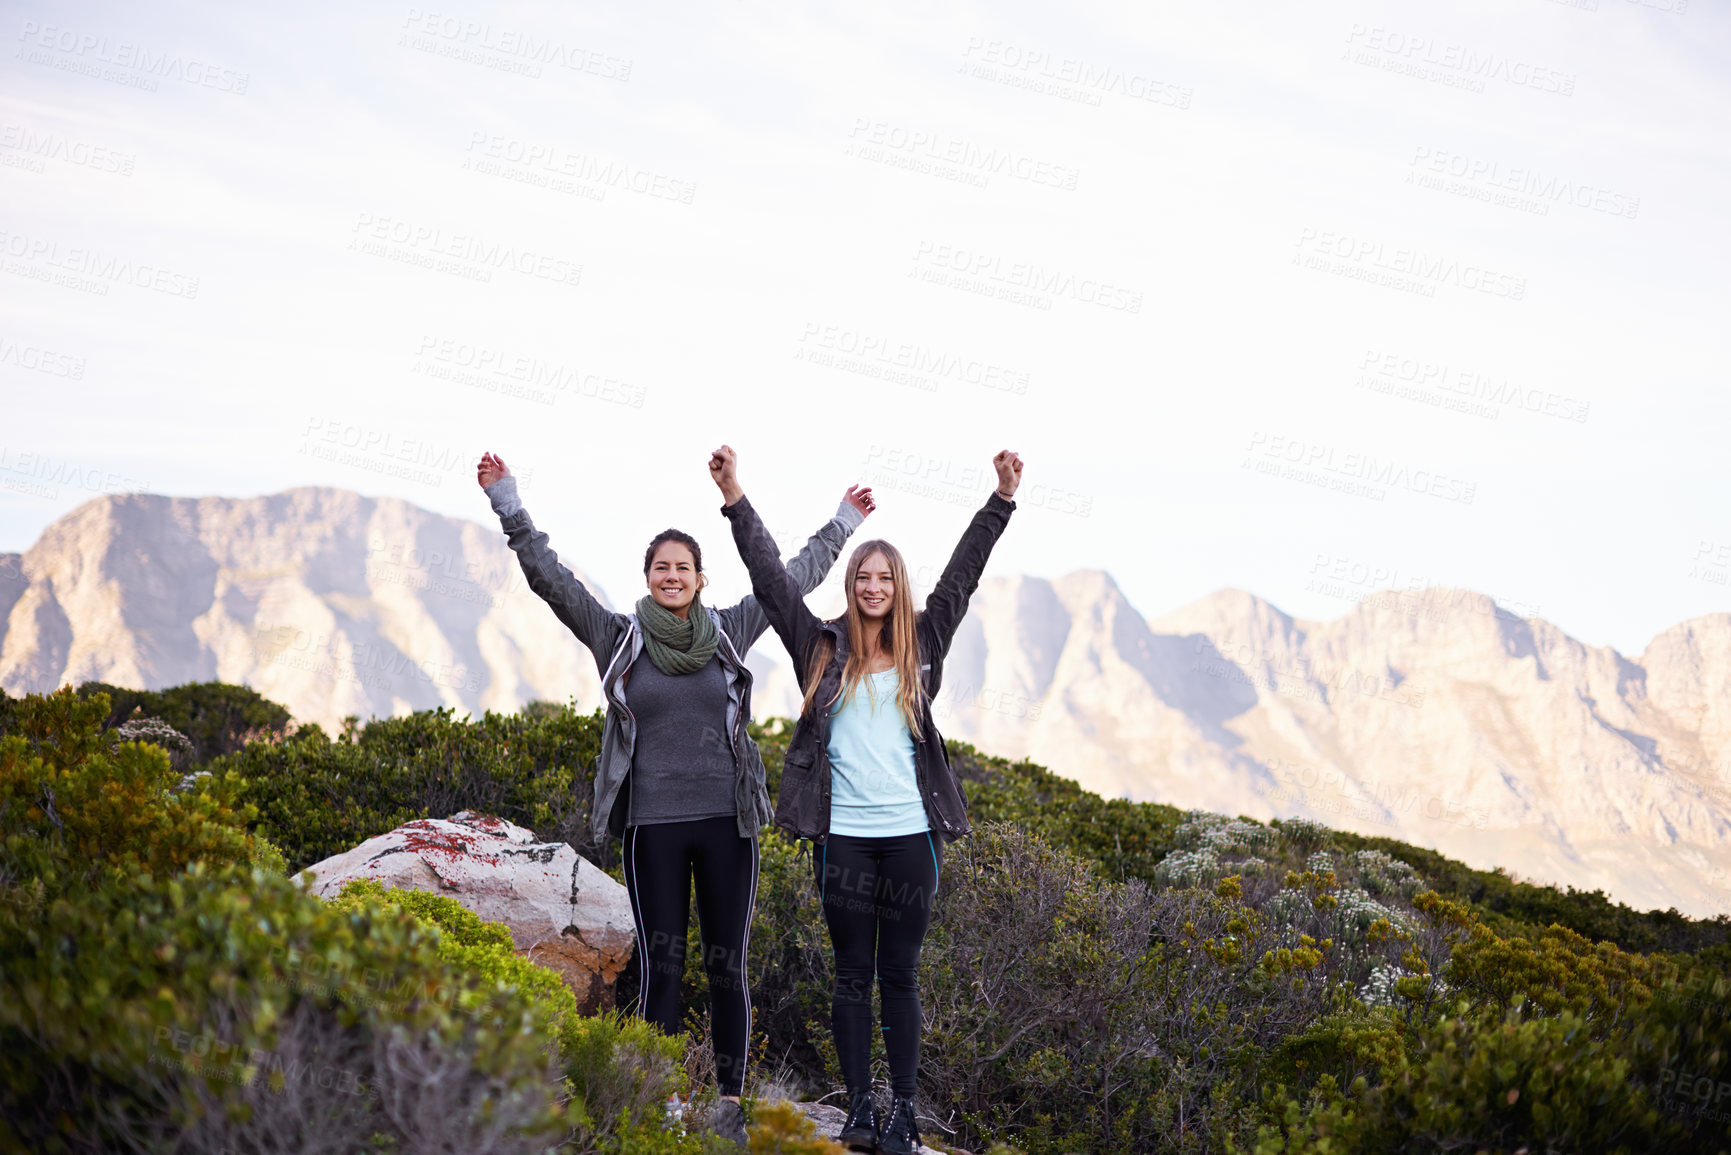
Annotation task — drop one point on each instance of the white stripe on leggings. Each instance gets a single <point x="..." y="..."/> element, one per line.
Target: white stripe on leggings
<point x="637" y="917"/>
<point x="745" y="944"/>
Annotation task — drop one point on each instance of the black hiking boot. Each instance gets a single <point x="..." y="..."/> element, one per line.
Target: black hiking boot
<point x="901" y="1135"/>
<point x="860" y="1132"/>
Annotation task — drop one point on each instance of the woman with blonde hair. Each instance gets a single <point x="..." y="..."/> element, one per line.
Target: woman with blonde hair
<point x="866" y="777"/>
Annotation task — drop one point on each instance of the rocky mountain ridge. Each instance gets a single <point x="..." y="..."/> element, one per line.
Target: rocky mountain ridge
<point x="1432" y="716"/>
<point x="321" y="599"/>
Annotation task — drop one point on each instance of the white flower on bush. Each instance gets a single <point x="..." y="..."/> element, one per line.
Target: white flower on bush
<point x="1204" y="839"/>
<point x="153" y="730"/>
<point x="1378" y="989"/>
<point x="1380" y="874"/>
<point x="1358" y="911"/>
<point x="1221" y="834"/>
<point x="1188" y="867"/>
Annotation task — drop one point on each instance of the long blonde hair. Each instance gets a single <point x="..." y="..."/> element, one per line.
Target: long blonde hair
<point x="897" y="637"/>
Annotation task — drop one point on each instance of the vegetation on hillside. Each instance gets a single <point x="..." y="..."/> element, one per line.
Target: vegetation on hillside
<point x="1100" y="975"/>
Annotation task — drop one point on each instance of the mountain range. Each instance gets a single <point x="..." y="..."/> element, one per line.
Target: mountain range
<point x="326" y="601"/>
<point x="1433" y="716"/>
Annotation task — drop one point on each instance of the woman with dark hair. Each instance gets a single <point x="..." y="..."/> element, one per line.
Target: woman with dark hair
<point x="866" y="777"/>
<point x="679" y="777"/>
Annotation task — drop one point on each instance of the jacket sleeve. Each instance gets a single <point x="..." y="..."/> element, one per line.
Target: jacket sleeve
<point x="961" y="577"/>
<point x="746" y="621"/>
<point x="778" y="594"/>
<point x="595" y="625"/>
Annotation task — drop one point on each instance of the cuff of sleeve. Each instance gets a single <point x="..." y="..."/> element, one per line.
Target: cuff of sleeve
<point x="503" y="494"/>
<point x="850" y="517"/>
<point x="1001" y="499"/>
<point x="737" y="508"/>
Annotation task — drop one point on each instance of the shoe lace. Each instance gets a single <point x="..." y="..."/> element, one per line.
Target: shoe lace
<point x="902" y="1118"/>
<point x="859" y="1111"/>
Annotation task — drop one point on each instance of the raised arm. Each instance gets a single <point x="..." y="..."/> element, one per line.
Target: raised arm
<point x="778" y="594"/>
<point x="594" y="624"/>
<point x="746" y="621"/>
<point x="812" y="564"/>
<point x="949" y="598"/>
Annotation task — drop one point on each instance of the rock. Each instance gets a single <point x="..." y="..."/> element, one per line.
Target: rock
<point x="829" y="1119"/>
<point x="562" y="911"/>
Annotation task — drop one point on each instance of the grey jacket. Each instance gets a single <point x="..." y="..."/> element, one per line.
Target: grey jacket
<point x="616" y="641"/>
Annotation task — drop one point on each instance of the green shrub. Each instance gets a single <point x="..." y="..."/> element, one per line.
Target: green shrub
<point x="619" y="1071"/>
<point x="470" y="945"/>
<point x="217" y="718"/>
<point x="1352" y="1043"/>
<point x="1507" y="906"/>
<point x="780" y="1129"/>
<point x="1038" y="991"/>
<point x="1101" y="975"/>
<point x="221" y="1004"/>
<point x="78" y="808"/>
<point x="223" y="1000"/>
<point x="1129" y="840"/>
<point x="1553" y="970"/>
<point x="1488" y="1081"/>
<point x="317" y="797"/>
<point x="1120" y="839"/>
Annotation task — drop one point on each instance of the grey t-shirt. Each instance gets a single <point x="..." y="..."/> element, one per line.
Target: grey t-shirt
<point x="682" y="763"/>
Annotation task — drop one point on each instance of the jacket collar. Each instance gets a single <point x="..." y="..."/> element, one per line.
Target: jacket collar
<point x="631" y="645"/>
<point x="837" y="629"/>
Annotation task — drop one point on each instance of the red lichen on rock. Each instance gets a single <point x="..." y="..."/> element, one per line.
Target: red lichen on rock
<point x="424" y="838"/>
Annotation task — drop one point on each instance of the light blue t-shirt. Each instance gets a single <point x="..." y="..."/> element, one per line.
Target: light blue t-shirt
<point x="871" y="756"/>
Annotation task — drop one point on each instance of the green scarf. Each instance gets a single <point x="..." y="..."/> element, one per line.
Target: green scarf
<point x="677" y="645"/>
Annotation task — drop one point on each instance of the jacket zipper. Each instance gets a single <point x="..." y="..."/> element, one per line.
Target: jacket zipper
<point x="606" y="685"/>
<point x="732" y="731"/>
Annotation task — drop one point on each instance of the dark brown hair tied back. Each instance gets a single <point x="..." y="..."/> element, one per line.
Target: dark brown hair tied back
<point x="679" y="536"/>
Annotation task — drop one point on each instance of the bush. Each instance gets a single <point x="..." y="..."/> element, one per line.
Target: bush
<point x="1555" y="970"/>
<point x="317" y="797"/>
<point x="470" y="945"/>
<point x="1038" y="993"/>
<point x="1508" y="906"/>
<point x="780" y="1129"/>
<point x="1488" y="1081"/>
<point x="620" y="1071"/>
<point x="1342" y="1047"/>
<point x="1119" y="839"/>
<point x="78" y="807"/>
<point x="1126" y="839"/>
<point x="187" y="1013"/>
<point x="216" y="718"/>
<point x="162" y="987"/>
<point x="1100" y="976"/>
<point x="237" y="1006"/>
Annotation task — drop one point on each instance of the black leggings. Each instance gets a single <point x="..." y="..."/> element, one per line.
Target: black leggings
<point x="660" y="861"/>
<point x="877" y="898"/>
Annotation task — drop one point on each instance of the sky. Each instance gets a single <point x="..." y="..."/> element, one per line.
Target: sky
<point x="1308" y="300"/>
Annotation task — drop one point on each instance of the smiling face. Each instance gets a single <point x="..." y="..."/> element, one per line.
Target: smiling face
<point x="673" y="578"/>
<point x="874" y="587"/>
